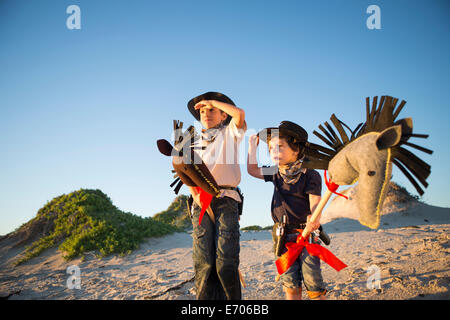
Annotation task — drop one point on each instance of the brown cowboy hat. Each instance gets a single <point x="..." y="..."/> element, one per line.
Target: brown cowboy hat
<point x="286" y="127"/>
<point x="209" y="96"/>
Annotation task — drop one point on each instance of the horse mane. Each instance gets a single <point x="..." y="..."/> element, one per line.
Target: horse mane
<point x="184" y="141"/>
<point x="378" y="118"/>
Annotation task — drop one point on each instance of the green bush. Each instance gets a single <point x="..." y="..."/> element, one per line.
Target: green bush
<point x="256" y="228"/>
<point x="176" y="214"/>
<point x="252" y="228"/>
<point x="86" y="220"/>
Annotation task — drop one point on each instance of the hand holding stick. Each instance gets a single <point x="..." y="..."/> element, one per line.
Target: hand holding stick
<point x="317" y="212"/>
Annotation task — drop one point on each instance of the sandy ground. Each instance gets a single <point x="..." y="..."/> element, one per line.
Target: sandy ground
<point x="410" y="251"/>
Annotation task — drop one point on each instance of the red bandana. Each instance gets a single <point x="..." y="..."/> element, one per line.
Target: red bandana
<point x="295" y="248"/>
<point x="205" y="200"/>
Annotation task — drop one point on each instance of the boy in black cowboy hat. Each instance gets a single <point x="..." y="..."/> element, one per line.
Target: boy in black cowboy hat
<point x="297" y="193"/>
<point x="216" y="240"/>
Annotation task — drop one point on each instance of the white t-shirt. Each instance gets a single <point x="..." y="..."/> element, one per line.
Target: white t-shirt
<point x="221" y="156"/>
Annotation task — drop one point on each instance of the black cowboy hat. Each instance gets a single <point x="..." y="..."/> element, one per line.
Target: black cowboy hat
<point x="286" y="127"/>
<point x="209" y="96"/>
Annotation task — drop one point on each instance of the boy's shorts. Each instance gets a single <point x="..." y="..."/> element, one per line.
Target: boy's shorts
<point x="305" y="269"/>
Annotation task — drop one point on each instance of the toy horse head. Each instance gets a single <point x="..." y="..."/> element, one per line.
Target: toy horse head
<point x="367" y="156"/>
<point x="188" y="166"/>
<point x="368" y="161"/>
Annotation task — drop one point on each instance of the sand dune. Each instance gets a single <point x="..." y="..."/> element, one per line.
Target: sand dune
<point x="410" y="251"/>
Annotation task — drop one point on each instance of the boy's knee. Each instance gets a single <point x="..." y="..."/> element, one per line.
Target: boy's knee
<point x="203" y="266"/>
<point x="203" y="258"/>
<point x="227" y="266"/>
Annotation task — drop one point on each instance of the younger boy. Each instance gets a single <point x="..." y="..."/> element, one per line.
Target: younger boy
<point x="216" y="240"/>
<point x="296" y="195"/>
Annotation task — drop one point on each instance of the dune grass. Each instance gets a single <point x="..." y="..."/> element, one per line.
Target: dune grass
<point x="86" y="220"/>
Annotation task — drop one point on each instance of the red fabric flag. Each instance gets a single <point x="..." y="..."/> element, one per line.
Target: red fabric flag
<point x="205" y="200"/>
<point x="295" y="249"/>
<point x="332" y="186"/>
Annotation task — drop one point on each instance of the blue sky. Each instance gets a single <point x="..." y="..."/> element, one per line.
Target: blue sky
<point x="84" y="108"/>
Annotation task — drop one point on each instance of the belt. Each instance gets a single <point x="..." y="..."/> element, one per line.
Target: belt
<point x="227" y="188"/>
<point x="294" y="228"/>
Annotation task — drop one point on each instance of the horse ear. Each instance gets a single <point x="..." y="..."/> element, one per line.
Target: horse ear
<point x="164" y="147"/>
<point x="389" y="137"/>
<point x="407" y="127"/>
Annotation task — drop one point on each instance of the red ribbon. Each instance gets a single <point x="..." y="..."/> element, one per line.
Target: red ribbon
<point x="205" y="200"/>
<point x="295" y="248"/>
<point x="332" y="186"/>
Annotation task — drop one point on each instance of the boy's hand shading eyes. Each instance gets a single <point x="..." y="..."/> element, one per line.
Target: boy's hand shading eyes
<point x="202" y="103"/>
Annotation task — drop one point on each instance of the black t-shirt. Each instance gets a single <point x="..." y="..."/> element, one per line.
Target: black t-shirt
<point x="293" y="199"/>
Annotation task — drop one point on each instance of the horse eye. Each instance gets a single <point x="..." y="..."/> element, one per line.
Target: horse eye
<point x="371" y="173"/>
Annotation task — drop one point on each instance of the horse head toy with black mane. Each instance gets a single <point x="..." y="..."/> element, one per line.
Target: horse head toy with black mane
<point x="188" y="166"/>
<point x="367" y="155"/>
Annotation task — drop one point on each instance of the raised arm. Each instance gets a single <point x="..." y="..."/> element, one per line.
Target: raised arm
<point x="236" y="113"/>
<point x="252" y="163"/>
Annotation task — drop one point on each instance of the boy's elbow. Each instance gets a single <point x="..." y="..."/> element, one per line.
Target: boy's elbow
<point x="253" y="174"/>
<point x="254" y="171"/>
<point x="242" y="114"/>
<point x="240" y="118"/>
